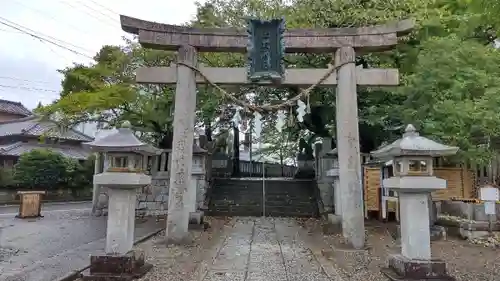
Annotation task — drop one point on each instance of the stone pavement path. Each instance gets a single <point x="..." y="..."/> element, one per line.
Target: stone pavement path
<point x="267" y="249"/>
<point x="48" y="248"/>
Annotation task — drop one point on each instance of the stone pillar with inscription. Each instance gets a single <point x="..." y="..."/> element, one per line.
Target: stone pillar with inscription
<point x="350" y="187"/>
<point x="182" y="147"/>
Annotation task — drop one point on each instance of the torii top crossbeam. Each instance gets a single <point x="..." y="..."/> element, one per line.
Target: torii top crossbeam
<point x="325" y="40"/>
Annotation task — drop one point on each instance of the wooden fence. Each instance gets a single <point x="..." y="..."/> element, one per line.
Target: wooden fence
<point x="460" y="183"/>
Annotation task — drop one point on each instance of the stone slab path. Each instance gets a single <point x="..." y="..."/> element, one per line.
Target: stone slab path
<point x="269" y="249"/>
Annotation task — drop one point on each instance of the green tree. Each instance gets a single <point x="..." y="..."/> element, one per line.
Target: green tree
<point x="444" y="30"/>
<point x="105" y="91"/>
<point x="278" y="146"/>
<point x="79" y="175"/>
<point x="7" y="178"/>
<point x="486" y="14"/>
<point x="453" y="95"/>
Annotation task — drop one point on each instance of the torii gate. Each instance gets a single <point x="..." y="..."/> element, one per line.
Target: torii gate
<point x="344" y="42"/>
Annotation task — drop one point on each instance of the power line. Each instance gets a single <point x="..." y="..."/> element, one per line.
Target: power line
<point x="49" y="16"/>
<point x="28" y="88"/>
<point x="97" y="11"/>
<point x="20" y="27"/>
<point x="86" y="12"/>
<point x="43" y="39"/>
<point x="24" y="80"/>
<point x="53" y="51"/>
<point x="104" y="7"/>
<point x="10" y="31"/>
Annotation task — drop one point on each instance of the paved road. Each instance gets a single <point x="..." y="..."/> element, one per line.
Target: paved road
<point x="11" y="210"/>
<point x="266" y="249"/>
<point x="47" y="248"/>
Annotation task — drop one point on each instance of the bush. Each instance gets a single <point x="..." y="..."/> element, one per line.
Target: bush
<point x="41" y="168"/>
<point x="49" y="170"/>
<point x="7" y="178"/>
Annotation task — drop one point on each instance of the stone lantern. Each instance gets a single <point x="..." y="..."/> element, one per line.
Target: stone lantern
<point x="197" y="187"/>
<point x="414" y="181"/>
<point x="123" y="176"/>
<point x="332" y="174"/>
<point x="330" y="164"/>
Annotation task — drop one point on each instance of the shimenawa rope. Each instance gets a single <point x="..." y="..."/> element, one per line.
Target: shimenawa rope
<point x="267" y="107"/>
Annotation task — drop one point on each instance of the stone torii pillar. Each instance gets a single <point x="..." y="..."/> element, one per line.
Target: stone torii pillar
<point x="350" y="187"/>
<point x="342" y="41"/>
<point x="182" y="147"/>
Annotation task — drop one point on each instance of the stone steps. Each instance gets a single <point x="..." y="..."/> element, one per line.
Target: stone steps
<point x="255" y="191"/>
<point x="254" y="211"/>
<point x="307" y="209"/>
<point x="242" y="196"/>
<point x="284" y="198"/>
<point x="258" y="213"/>
<point x="218" y="203"/>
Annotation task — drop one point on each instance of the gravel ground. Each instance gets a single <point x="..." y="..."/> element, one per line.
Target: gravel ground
<point x="175" y="263"/>
<point x="465" y="261"/>
<point x="182" y="262"/>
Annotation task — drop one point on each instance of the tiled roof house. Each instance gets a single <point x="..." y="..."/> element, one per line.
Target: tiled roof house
<point x="12" y="110"/>
<point x="24" y="131"/>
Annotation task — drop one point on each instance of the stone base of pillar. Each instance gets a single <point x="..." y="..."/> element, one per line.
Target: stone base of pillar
<point x="437" y="233"/>
<point x="196" y="221"/>
<point x="333" y="225"/>
<point x="196" y="217"/>
<point x="403" y="269"/>
<point x="117" y="267"/>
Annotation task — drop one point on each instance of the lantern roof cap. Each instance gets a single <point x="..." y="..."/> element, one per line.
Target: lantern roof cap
<point x="332" y="152"/>
<point x="123" y="140"/>
<point x="198" y="150"/>
<point x="412" y="144"/>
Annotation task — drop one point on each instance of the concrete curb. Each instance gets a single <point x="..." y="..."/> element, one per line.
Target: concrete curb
<point x="71" y="276"/>
<point x="50" y="203"/>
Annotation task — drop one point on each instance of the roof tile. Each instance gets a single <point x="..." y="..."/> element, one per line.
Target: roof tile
<point x="33" y="126"/>
<point x="18" y="148"/>
<point x="13" y="107"/>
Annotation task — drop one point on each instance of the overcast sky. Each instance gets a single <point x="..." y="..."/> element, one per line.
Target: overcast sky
<point x="28" y="65"/>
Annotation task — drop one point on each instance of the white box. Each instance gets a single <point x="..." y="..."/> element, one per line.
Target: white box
<point x="489" y="207"/>
<point x="489" y="194"/>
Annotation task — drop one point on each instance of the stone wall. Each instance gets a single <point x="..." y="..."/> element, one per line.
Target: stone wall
<point x="468" y="211"/>
<point x="152" y="200"/>
<point x="467" y="220"/>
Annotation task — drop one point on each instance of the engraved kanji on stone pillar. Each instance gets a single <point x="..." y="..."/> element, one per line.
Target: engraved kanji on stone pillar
<point x="350" y="188"/>
<point x="182" y="147"/>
